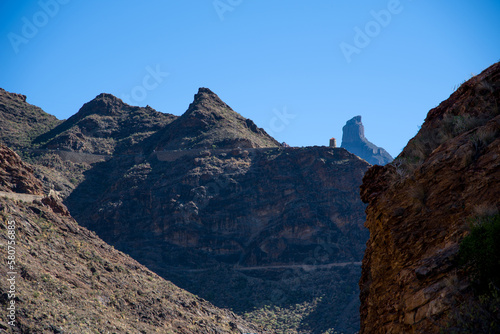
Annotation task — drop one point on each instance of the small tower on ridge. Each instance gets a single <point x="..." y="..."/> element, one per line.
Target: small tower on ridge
<point x="333" y="142"/>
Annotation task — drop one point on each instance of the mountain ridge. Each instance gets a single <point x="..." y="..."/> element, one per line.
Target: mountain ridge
<point x="104" y="125"/>
<point x="22" y="122"/>
<point x="188" y="217"/>
<point x="210" y="123"/>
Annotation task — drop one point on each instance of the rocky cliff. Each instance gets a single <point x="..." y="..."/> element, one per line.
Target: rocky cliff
<point x="15" y="176"/>
<point x="69" y="281"/>
<point x="419" y="210"/>
<point x="354" y="140"/>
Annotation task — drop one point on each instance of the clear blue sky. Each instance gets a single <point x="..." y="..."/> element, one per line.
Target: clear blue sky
<point x="262" y="57"/>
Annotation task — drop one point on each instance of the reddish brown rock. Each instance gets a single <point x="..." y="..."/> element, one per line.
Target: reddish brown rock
<point x="15" y="175"/>
<point x="418" y="208"/>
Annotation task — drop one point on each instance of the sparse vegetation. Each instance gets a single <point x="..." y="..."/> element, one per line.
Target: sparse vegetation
<point x="473" y="112"/>
<point x="479" y="255"/>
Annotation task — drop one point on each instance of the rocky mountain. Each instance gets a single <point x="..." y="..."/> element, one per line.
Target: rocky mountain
<point x="67" y="280"/>
<point x="420" y="208"/>
<point x="354" y="140"/>
<point x="214" y="204"/>
<point x="105" y="125"/>
<point x="237" y="227"/>
<point x="210" y="123"/>
<point x="22" y="122"/>
<point x="219" y="208"/>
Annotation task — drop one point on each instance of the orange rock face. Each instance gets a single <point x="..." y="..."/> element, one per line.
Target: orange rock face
<point x="418" y="211"/>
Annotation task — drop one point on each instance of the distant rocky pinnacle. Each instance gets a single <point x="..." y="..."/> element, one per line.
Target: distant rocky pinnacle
<point x="353" y="140"/>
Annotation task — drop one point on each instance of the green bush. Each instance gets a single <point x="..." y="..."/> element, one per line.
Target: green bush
<point x="480" y="253"/>
<point x="479" y="256"/>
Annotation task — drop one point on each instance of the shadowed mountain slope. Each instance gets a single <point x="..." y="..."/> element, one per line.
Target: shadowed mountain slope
<point x="200" y="215"/>
<point x="69" y="281"/>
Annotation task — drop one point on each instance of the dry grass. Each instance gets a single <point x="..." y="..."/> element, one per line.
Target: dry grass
<point x="486" y="210"/>
<point x="469" y="112"/>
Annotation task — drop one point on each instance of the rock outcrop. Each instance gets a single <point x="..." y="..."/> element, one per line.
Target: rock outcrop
<point x="419" y="208"/>
<point x="354" y="140"/>
<point x="69" y="281"/>
<point x="15" y="175"/>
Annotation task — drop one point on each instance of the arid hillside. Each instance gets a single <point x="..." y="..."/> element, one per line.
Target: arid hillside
<point x="69" y="281"/>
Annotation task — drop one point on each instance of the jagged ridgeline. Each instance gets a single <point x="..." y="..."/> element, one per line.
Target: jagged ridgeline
<point x="211" y="202"/>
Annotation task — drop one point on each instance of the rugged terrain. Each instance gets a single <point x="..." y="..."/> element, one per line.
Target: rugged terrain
<point x="211" y="202"/>
<point x="420" y="208"/>
<point x="229" y="221"/>
<point x="69" y="281"/>
<point x="354" y="140"/>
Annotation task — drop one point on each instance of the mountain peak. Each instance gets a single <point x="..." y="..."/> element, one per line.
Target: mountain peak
<point x="354" y="140"/>
<point x="103" y="104"/>
<point x="204" y="90"/>
<point x="206" y="101"/>
<point x="353" y="130"/>
<point x="108" y="97"/>
<point x="101" y="119"/>
<point x="211" y="123"/>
